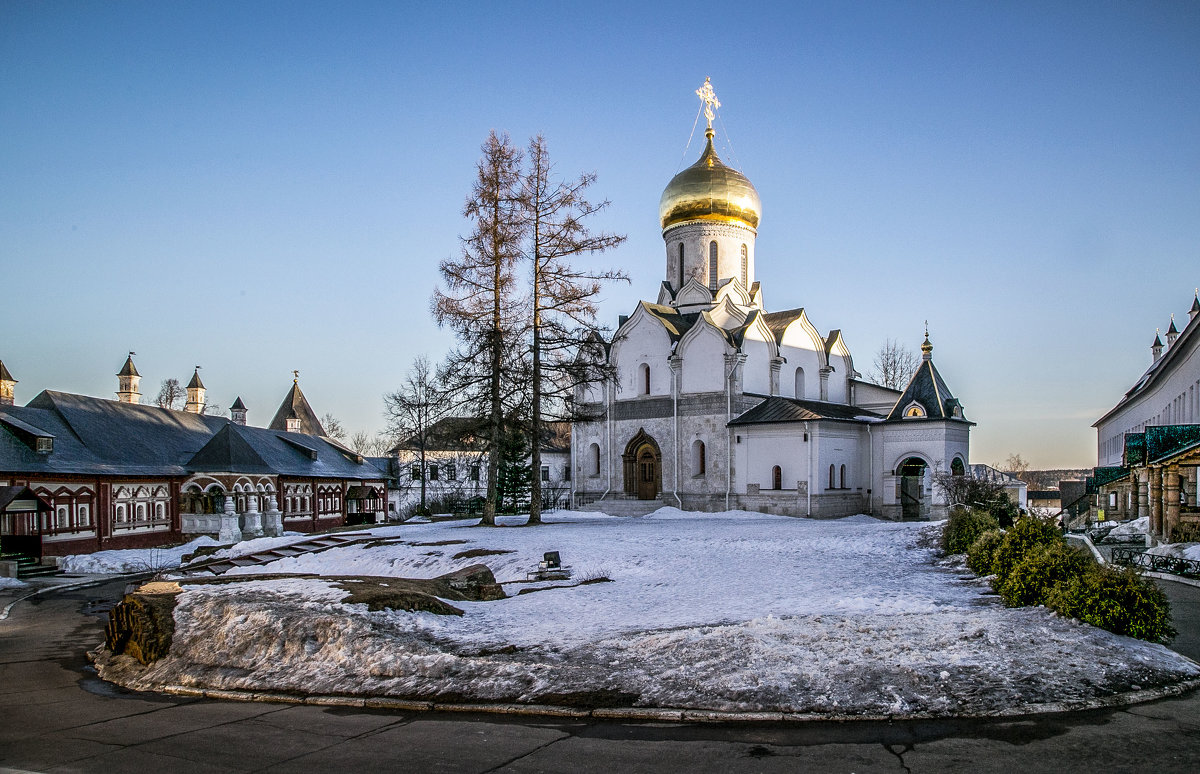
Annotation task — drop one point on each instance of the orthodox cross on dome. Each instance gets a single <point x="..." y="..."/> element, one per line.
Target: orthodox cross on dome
<point x="711" y="103"/>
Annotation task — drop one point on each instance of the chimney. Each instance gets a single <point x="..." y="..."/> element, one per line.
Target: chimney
<point x="237" y="412"/>
<point x="7" y="383"/>
<point x="1156" y="347"/>
<point x="195" y="394"/>
<point x="127" y="382"/>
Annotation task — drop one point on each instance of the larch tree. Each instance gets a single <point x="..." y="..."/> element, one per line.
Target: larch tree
<point x="413" y="410"/>
<point x="479" y="300"/>
<point x="894" y="365"/>
<point x="562" y="296"/>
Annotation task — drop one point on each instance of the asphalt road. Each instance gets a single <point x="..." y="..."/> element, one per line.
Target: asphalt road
<point x="58" y="717"/>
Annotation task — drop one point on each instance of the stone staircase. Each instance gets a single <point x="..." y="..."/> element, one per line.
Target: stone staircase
<point x="312" y="545"/>
<point x="29" y="566"/>
<point x="623" y="505"/>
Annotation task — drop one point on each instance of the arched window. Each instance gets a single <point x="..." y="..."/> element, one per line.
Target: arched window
<point x="800" y="383"/>
<point x="699" y="464"/>
<point x="594" y="459"/>
<point x="777" y="477"/>
<point x="84" y="516"/>
<point x="745" y="267"/>
<point x="644" y="378"/>
<point x="61" y="517"/>
<point x="831" y="472"/>
<point x="957" y="468"/>
<point x="842" y="473"/>
<point x="679" y="269"/>
<point x="712" y="265"/>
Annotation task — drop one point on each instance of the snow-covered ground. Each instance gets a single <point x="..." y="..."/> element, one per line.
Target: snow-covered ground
<point x="1130" y="529"/>
<point x="131" y="559"/>
<point x="733" y="611"/>
<point x="12" y="583"/>
<point x="1182" y="550"/>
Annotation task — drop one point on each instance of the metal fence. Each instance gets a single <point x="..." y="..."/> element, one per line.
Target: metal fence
<point x="1175" y="565"/>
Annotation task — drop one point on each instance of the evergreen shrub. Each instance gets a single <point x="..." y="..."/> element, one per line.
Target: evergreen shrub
<point x="1043" y="566"/>
<point x="1119" y="600"/>
<point x="981" y="555"/>
<point x="964" y="526"/>
<point x="1027" y="532"/>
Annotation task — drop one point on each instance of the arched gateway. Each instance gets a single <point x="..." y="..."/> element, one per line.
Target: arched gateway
<point x="912" y="488"/>
<point x="642" y="464"/>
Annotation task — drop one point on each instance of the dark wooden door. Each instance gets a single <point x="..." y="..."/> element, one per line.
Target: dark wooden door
<point x="910" y="498"/>
<point x="647" y="474"/>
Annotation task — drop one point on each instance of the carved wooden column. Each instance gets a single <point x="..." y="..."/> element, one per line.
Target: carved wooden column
<point x="1156" y="510"/>
<point x="1171" y="495"/>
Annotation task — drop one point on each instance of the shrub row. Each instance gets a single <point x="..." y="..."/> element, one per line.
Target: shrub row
<point x="964" y="527"/>
<point x="1031" y="564"/>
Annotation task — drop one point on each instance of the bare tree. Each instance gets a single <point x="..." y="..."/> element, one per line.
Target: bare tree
<point x="563" y="295"/>
<point x="333" y="427"/>
<point x="1016" y="465"/>
<point x="479" y="302"/>
<point x="360" y="441"/>
<point x="211" y="410"/>
<point x="412" y="412"/>
<point x="894" y="365"/>
<point x="171" y="395"/>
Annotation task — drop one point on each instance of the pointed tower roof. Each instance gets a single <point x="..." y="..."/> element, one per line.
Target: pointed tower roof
<point x="238" y="405"/>
<point x="195" y="383"/>
<point x="228" y="452"/>
<point x="4" y="374"/>
<point x="295" y="405"/>
<point x="1157" y="341"/>
<point x="1195" y="310"/>
<point x="927" y="391"/>
<point x="128" y="369"/>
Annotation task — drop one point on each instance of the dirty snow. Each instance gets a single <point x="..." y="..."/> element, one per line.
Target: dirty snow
<point x="11" y="583"/>
<point x="732" y="611"/>
<point x="131" y="559"/>
<point x="1181" y="550"/>
<point x="1130" y="529"/>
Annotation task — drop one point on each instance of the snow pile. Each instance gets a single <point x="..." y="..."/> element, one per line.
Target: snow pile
<point x="1130" y="530"/>
<point x="1180" y="550"/>
<point x="11" y="583"/>
<point x="131" y="559"/>
<point x="735" y="611"/>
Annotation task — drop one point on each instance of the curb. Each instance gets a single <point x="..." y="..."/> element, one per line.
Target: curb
<point x="1169" y="577"/>
<point x="66" y="587"/>
<point x="674" y="715"/>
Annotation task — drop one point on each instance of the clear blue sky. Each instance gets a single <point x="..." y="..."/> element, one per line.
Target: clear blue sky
<point x="257" y="187"/>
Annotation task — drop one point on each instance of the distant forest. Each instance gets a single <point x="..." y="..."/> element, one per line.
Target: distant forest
<point x="1048" y="479"/>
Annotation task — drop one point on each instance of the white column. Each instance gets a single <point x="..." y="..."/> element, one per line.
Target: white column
<point x="230" y="530"/>
<point x="253" y="520"/>
<point x="272" y="520"/>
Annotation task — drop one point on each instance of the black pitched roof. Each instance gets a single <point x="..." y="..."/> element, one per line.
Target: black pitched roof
<point x="1173" y="358"/>
<point x="928" y="389"/>
<point x="4" y="374"/>
<point x="780" y="409"/>
<point x="295" y="405"/>
<point x="195" y="382"/>
<point x="95" y="436"/>
<point x="676" y="323"/>
<point x="238" y="405"/>
<point x="128" y="369"/>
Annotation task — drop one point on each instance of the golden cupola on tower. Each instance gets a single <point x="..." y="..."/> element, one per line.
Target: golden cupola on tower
<point x="709" y="190"/>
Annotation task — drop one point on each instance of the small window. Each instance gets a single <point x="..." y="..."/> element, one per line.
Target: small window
<point x="712" y="265"/>
<point x="594" y="459"/>
<point x="831" y="472"/>
<point x="699" y="463"/>
<point x="745" y="267"/>
<point x="679" y="275"/>
<point x="842" y="474"/>
<point x="545" y="473"/>
<point x="433" y="472"/>
<point x="450" y="473"/>
<point x="45" y="445"/>
<point x="416" y="472"/>
<point x="1112" y="499"/>
<point x="84" y="516"/>
<point x="800" y="383"/>
<point x="644" y="378"/>
<point x="957" y="468"/>
<point x="777" y="477"/>
<point x="566" y="472"/>
<point x="914" y="410"/>
<point x="474" y="472"/>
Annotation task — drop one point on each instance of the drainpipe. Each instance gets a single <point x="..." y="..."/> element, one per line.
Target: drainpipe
<point x="810" y="478"/>
<point x="675" y="411"/>
<point x="870" y="473"/>
<point x="736" y="361"/>
<point x="608" y="436"/>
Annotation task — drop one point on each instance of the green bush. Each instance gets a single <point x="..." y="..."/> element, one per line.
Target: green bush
<point x="964" y="526"/>
<point x="1029" y="531"/>
<point x="1120" y="601"/>
<point x="1043" y="567"/>
<point x="981" y="555"/>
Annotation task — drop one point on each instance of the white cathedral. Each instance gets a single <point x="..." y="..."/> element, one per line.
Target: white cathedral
<point x="715" y="403"/>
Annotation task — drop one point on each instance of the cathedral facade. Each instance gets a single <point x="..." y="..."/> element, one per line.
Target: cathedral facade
<point x="715" y="403"/>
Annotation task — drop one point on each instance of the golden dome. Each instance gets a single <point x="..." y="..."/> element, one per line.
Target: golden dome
<point x="709" y="190"/>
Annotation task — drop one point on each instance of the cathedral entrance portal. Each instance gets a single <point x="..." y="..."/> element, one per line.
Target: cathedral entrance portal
<point x="912" y="488"/>
<point x="642" y="467"/>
